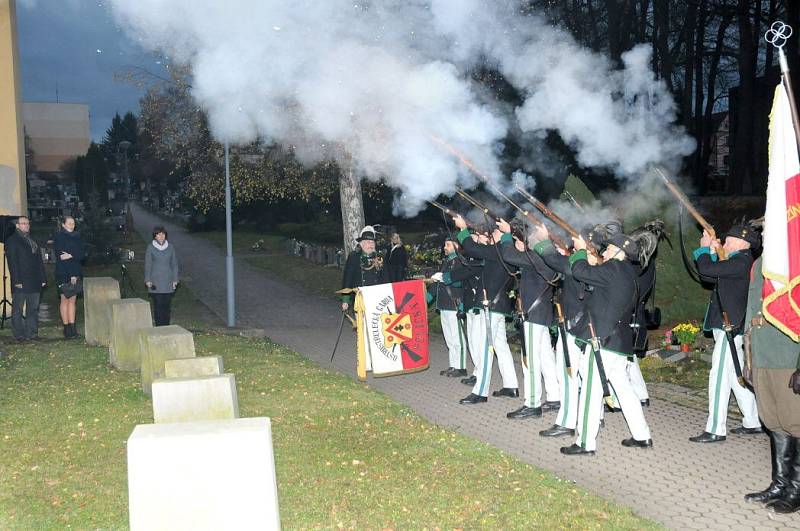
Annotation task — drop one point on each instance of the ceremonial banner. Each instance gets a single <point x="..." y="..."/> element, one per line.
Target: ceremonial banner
<point x="781" y="256"/>
<point x="392" y="325"/>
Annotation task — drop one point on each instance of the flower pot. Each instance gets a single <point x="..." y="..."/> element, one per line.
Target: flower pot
<point x="686" y="347"/>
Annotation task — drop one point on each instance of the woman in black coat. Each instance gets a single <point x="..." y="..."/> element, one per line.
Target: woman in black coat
<point x="396" y="260"/>
<point x="69" y="273"/>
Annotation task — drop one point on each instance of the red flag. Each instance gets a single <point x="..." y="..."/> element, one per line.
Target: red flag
<point x="781" y="256"/>
<point x="392" y="321"/>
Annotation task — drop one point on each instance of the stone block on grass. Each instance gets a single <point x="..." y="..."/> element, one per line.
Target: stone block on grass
<point x="192" y="367"/>
<point x="128" y="316"/>
<point x="202" y="475"/>
<point x="194" y="399"/>
<point x="161" y="343"/>
<point x="98" y="292"/>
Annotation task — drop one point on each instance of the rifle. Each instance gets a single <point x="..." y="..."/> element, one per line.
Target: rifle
<point x="562" y="331"/>
<point x="453" y="213"/>
<point x="555" y="218"/>
<point x="487" y="212"/>
<point x="684" y="200"/>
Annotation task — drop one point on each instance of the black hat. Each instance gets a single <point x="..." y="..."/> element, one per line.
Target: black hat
<point x="367" y="233"/>
<point x="626" y="244"/>
<point x="744" y="232"/>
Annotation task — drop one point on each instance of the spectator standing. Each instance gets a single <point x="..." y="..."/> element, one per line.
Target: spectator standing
<point x="396" y="260"/>
<point x="69" y="251"/>
<point x="27" y="280"/>
<point x="161" y="275"/>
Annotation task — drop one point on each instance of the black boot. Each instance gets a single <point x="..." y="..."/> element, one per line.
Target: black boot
<point x="66" y="331"/>
<point x="789" y="500"/>
<point x="781" y="451"/>
<point x="74" y="331"/>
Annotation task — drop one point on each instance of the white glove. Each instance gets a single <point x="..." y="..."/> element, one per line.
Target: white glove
<point x="437" y="277"/>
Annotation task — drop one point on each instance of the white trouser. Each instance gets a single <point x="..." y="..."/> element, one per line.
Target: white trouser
<point x="637" y="382"/>
<point x="475" y="321"/>
<point x="454" y="338"/>
<point x="567" y="415"/>
<point x="721" y="381"/>
<point x="488" y="348"/>
<point x="541" y="363"/>
<point x="591" y="402"/>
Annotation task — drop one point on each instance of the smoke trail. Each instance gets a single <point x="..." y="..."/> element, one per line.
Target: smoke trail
<point x="376" y="79"/>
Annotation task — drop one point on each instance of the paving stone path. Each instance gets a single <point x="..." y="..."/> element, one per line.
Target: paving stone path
<point x="679" y="484"/>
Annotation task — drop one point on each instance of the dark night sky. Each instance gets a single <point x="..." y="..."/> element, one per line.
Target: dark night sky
<point x="74" y="45"/>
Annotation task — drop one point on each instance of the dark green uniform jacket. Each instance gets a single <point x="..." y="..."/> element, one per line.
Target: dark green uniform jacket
<point x="731" y="277"/>
<point x="359" y="271"/>
<point x="613" y="302"/>
<point x="495" y="280"/>
<point x="573" y="294"/>
<point x="536" y="289"/>
<point x="448" y="294"/>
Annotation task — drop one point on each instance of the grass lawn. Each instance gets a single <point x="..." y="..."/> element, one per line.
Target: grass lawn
<point x="346" y="455"/>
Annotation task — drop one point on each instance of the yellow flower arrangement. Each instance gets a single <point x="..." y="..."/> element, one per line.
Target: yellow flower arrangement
<point x="686" y="332"/>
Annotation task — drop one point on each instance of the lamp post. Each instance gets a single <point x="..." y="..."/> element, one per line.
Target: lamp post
<point x="229" y="243"/>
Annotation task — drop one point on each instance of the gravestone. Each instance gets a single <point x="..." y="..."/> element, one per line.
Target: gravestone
<point x="193" y="399"/>
<point x="191" y="367"/>
<point x="206" y="475"/>
<point x="128" y="316"/>
<point x="98" y="292"/>
<point x="161" y="343"/>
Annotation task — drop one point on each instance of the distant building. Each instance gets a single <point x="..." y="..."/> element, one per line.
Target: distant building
<point x="719" y="158"/>
<point x="57" y="132"/>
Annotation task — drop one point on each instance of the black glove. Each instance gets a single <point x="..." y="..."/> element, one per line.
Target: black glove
<point x="794" y="382"/>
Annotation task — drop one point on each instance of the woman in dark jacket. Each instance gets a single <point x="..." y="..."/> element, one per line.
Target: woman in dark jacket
<point x="396" y="260"/>
<point x="161" y="275"/>
<point x="68" y="253"/>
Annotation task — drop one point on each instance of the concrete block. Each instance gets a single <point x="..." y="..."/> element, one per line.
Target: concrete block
<point x="98" y="292"/>
<point x="191" y="399"/>
<point x="193" y="367"/>
<point x="127" y="317"/>
<point x="158" y="344"/>
<point x="206" y="475"/>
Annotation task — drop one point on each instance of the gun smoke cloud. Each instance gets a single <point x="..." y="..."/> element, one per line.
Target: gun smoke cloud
<point x="376" y="79"/>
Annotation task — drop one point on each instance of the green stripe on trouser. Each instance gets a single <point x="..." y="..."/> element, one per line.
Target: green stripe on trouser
<point x="718" y="385"/>
<point x="530" y="379"/>
<point x="562" y="419"/>
<point x="586" y="389"/>
<point x="463" y="357"/>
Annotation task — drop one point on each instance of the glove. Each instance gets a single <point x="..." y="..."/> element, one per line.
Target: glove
<point x="794" y="382"/>
<point x="437" y="277"/>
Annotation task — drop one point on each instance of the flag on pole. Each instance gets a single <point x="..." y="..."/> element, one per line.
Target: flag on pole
<point x="781" y="256"/>
<point x="392" y="325"/>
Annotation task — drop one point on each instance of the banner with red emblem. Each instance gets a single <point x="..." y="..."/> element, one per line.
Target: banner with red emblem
<point x="781" y="256"/>
<point x="392" y="326"/>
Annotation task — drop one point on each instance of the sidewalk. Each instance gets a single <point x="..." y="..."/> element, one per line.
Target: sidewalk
<point x="678" y="484"/>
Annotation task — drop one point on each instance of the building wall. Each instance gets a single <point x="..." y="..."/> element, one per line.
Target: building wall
<point x="57" y="132"/>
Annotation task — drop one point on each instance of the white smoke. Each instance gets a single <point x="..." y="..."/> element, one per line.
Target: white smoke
<point x="378" y="79"/>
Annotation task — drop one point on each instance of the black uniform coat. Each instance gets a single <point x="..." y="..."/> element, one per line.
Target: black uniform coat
<point x="24" y="264"/>
<point x="359" y="271"/>
<point x="469" y="272"/>
<point x="449" y="293"/>
<point x="536" y="288"/>
<point x="495" y="280"/>
<point x="731" y="278"/>
<point x="647" y="282"/>
<point x="614" y="299"/>
<point x="572" y="295"/>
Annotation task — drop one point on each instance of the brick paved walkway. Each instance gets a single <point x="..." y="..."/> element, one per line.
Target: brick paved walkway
<point x="679" y="484"/>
